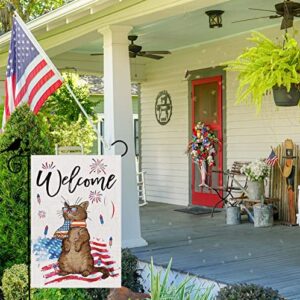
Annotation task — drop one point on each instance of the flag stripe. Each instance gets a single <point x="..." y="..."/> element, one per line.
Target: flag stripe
<point x="28" y="80"/>
<point x="99" y="249"/>
<point x="6" y="107"/>
<point x="34" y="82"/>
<point x="102" y="256"/>
<point x="13" y="81"/>
<point x="99" y="244"/>
<point x="10" y="100"/>
<point x="39" y="85"/>
<point x="46" y="94"/>
<point x="73" y="277"/>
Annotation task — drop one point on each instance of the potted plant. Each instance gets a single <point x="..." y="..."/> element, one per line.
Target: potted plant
<point x="268" y="66"/>
<point x="256" y="172"/>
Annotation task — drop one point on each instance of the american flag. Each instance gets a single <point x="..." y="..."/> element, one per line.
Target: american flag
<point x="101" y="257"/>
<point x="272" y="159"/>
<point x="31" y="77"/>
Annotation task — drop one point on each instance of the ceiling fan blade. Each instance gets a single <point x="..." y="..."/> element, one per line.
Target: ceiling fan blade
<point x="132" y="54"/>
<point x="287" y="22"/>
<point x="264" y="17"/>
<point x="274" y="11"/>
<point x="156" y="52"/>
<point x="96" y="54"/>
<point x="148" y="55"/>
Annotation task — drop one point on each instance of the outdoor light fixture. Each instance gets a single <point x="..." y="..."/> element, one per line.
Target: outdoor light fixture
<point x="215" y="18"/>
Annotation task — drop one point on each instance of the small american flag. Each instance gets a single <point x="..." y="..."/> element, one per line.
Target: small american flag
<point x="272" y="159"/>
<point x="31" y="77"/>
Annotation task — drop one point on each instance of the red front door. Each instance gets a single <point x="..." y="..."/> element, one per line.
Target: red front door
<point x="207" y="108"/>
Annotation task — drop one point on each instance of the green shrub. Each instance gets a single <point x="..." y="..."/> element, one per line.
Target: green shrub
<point x="248" y="292"/>
<point x="14" y="192"/>
<point x="15" y="283"/>
<point x="130" y="276"/>
<point x="60" y="294"/>
<point x="186" y="290"/>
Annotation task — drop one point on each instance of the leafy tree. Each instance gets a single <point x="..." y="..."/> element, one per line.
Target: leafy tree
<point x="14" y="207"/>
<point x="61" y="104"/>
<point x="27" y="9"/>
<point x="66" y="124"/>
<point x="73" y="134"/>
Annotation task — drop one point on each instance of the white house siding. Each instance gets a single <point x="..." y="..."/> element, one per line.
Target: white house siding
<point x="248" y="135"/>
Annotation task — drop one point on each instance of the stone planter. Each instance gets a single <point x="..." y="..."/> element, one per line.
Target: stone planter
<point x="233" y="215"/>
<point x="263" y="215"/>
<point x="255" y="190"/>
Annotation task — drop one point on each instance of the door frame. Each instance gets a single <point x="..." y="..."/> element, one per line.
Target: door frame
<point x="198" y="74"/>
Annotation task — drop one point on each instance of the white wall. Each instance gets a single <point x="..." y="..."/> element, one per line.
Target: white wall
<point x="249" y="136"/>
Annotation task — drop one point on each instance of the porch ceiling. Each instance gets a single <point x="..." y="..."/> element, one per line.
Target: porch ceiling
<point x="191" y="27"/>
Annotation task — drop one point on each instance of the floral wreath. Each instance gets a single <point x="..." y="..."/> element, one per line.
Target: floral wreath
<point x="202" y="147"/>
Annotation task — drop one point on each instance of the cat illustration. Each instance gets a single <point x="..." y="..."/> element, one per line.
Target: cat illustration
<point x="76" y="257"/>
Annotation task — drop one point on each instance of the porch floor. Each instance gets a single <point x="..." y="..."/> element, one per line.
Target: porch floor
<point x="208" y="248"/>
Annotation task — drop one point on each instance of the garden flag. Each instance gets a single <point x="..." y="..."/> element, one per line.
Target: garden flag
<point x="75" y="221"/>
<point x="31" y="77"/>
<point x="272" y="159"/>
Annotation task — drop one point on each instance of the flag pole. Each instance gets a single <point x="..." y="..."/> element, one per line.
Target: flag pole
<point x="99" y="137"/>
<point x="280" y="169"/>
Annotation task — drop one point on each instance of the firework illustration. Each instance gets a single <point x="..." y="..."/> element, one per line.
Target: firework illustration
<point x="98" y="166"/>
<point x="38" y="198"/>
<point x="95" y="196"/>
<point x="113" y="209"/>
<point x="48" y="166"/>
<point x="101" y="220"/>
<point x="46" y="230"/>
<point x="42" y="214"/>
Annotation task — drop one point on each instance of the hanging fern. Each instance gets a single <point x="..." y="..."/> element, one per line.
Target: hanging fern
<point x="265" y="65"/>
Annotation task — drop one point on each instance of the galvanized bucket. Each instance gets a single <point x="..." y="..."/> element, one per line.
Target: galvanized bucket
<point x="255" y="190"/>
<point x="233" y="215"/>
<point x="263" y="215"/>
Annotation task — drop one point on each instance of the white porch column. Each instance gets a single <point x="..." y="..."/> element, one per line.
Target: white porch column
<point x="118" y="125"/>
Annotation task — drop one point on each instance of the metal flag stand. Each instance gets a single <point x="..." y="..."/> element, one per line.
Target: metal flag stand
<point x="14" y="165"/>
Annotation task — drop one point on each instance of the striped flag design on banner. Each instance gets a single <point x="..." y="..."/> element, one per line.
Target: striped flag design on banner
<point x="31" y="77"/>
<point x="101" y="257"/>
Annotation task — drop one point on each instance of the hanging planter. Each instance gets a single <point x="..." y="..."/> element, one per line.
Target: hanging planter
<point x="284" y="98"/>
<point x="268" y="66"/>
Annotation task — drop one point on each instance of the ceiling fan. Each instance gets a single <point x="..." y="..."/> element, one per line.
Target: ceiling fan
<point x="136" y="50"/>
<point x="286" y="10"/>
